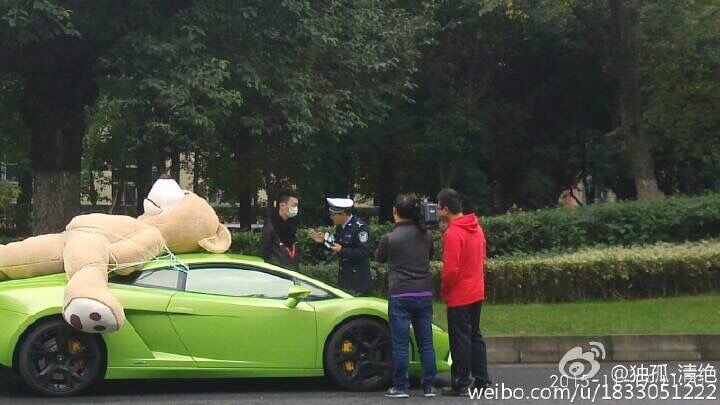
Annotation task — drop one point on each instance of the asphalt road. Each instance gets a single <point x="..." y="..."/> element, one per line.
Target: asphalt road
<point x="319" y="391"/>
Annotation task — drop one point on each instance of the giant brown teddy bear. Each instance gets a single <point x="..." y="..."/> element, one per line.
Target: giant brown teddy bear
<point x="174" y="220"/>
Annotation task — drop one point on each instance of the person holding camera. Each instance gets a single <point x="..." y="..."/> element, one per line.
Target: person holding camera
<point x="463" y="289"/>
<point x="407" y="250"/>
<point x="279" y="241"/>
<point x="352" y="244"/>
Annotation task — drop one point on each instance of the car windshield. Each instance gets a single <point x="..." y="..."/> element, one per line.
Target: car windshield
<point x="160" y="278"/>
<point x="221" y="280"/>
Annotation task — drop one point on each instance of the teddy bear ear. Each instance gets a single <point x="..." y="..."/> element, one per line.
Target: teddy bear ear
<point x="218" y="243"/>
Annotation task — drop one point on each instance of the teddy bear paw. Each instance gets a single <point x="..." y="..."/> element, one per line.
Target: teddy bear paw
<point x="90" y="316"/>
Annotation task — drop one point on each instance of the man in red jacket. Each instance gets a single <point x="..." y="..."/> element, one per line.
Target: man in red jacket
<point x="463" y="289"/>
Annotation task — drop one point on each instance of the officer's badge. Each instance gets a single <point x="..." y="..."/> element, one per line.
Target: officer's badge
<point x="363" y="236"/>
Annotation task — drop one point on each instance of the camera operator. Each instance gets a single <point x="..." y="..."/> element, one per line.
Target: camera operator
<point x="407" y="250"/>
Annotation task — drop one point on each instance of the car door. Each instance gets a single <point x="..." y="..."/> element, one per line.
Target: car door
<point x="148" y="338"/>
<point x="235" y="316"/>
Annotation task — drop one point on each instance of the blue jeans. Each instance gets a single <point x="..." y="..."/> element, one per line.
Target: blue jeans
<point x="403" y="312"/>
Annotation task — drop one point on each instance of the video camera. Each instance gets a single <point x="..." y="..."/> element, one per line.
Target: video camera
<point x="429" y="214"/>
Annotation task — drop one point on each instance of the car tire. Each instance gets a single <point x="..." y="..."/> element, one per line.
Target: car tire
<point x="56" y="360"/>
<point x="358" y="355"/>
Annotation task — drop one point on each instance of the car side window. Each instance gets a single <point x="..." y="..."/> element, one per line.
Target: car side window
<point x="237" y="282"/>
<point x="162" y="278"/>
<point x="316" y="293"/>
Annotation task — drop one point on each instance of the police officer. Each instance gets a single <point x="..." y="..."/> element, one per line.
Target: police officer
<point x="351" y="244"/>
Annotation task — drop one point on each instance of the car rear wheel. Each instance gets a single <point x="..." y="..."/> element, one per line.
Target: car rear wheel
<point x="358" y="356"/>
<point x="57" y="360"/>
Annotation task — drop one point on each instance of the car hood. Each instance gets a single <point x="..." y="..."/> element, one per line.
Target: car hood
<point x="43" y="281"/>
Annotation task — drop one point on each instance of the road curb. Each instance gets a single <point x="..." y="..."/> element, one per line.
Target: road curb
<point x="619" y="348"/>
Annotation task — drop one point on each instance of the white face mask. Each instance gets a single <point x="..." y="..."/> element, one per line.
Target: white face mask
<point x="292" y="212"/>
<point x="163" y="195"/>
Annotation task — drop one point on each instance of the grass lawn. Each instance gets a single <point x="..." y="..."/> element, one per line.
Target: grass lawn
<point x="678" y="315"/>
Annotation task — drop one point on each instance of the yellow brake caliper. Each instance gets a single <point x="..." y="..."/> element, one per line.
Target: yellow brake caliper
<point x="74" y="346"/>
<point x="347" y="348"/>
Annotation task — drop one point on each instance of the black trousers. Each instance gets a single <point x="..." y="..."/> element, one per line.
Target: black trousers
<point x="467" y="347"/>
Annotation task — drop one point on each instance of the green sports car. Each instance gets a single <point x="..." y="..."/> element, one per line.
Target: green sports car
<point x="203" y="316"/>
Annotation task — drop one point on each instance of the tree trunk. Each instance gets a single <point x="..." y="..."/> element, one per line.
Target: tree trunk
<point x="59" y="84"/>
<point x="386" y="192"/>
<point x="117" y="168"/>
<point x="118" y="188"/>
<point x="143" y="177"/>
<point x="197" y="174"/>
<point x="245" y="209"/>
<point x="175" y="163"/>
<point x="624" y="16"/>
<point x="23" y="208"/>
<point x="56" y="200"/>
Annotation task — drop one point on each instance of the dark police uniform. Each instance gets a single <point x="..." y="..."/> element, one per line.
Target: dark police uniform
<point x="355" y="256"/>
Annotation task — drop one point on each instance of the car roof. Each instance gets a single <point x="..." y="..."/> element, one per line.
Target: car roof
<point x="233" y="258"/>
<point x="197" y="258"/>
<point x="188" y="259"/>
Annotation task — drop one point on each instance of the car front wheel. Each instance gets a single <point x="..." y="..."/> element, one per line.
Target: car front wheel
<point x="56" y="360"/>
<point x="358" y="356"/>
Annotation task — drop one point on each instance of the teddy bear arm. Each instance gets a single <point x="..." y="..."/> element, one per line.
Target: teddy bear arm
<point x="32" y="257"/>
<point x="89" y="305"/>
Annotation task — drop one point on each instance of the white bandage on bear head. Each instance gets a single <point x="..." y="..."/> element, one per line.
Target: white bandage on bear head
<point x="163" y="195"/>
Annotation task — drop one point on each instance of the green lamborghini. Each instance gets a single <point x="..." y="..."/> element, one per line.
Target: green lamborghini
<point x="203" y="316"/>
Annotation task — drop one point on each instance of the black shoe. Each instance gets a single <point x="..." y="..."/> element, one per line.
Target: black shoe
<point x="395" y="393"/>
<point x="456" y="392"/>
<point x="481" y="385"/>
<point x="430" y="391"/>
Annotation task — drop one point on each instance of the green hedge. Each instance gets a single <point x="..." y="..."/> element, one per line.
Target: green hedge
<point x="4" y="240"/>
<point x="676" y="219"/>
<point x="659" y="270"/>
<point x="248" y="243"/>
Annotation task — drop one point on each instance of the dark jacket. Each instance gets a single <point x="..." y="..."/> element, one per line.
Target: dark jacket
<point x="355" y="256"/>
<point x="407" y="250"/>
<point x="274" y="251"/>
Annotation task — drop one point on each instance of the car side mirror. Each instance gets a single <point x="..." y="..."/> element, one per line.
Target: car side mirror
<point x="295" y="295"/>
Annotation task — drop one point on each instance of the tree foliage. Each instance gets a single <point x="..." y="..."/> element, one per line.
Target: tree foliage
<point x="509" y="101"/>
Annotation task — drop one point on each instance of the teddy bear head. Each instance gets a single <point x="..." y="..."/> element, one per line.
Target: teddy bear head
<point x="187" y="222"/>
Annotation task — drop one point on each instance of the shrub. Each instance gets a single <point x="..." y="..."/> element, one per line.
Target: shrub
<point x="4" y="240"/>
<point x="676" y="219"/>
<point x="592" y="274"/>
<point x="248" y="243"/>
<point x="659" y="270"/>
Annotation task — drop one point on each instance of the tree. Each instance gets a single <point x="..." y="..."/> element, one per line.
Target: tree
<point x="311" y="74"/>
<point x="54" y="48"/>
<point x="679" y="63"/>
<point x="507" y="98"/>
<point x="624" y="15"/>
<point x="14" y="136"/>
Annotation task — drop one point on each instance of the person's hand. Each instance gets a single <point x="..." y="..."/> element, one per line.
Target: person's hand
<point x="318" y="237"/>
<point x="336" y="248"/>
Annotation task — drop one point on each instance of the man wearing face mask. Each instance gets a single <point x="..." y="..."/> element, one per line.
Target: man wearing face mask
<point x="279" y="241"/>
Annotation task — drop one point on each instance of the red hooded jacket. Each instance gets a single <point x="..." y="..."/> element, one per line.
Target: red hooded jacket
<point x="464" y="255"/>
